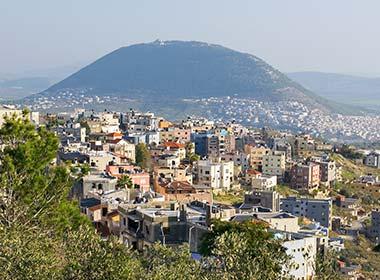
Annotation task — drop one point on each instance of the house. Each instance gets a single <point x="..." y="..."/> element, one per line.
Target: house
<point x="182" y="191"/>
<point x="251" y="174"/>
<point x="175" y="148"/>
<point x="142" y="227"/>
<point x="140" y="179"/>
<point x="304" y="146"/>
<point x="240" y="160"/>
<point x="95" y="182"/>
<point x="264" y="182"/>
<point x="327" y="171"/>
<point x="263" y="198"/>
<point x="182" y="173"/>
<point x="123" y="148"/>
<point x="169" y="161"/>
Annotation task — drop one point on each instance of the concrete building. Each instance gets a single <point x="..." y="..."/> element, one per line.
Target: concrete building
<point x="99" y="183"/>
<point x="264" y="182"/>
<point x="274" y="163"/>
<point x="374" y="231"/>
<point x="372" y="160"/>
<point x="327" y="172"/>
<point x="256" y="154"/>
<point x="141" y="228"/>
<point x="215" y="174"/>
<point x="182" y="191"/>
<point x="240" y="160"/>
<point x="138" y="122"/>
<point x="304" y="146"/>
<point x="182" y="173"/>
<point x="303" y="251"/>
<point x="169" y="161"/>
<point x="175" y="134"/>
<point x="305" y="177"/>
<point x="140" y="178"/>
<point x="266" y="199"/>
<point x="123" y="148"/>
<point x="319" y="210"/>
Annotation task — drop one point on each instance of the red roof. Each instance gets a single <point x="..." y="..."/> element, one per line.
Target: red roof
<point x="114" y="134"/>
<point x="174" y="145"/>
<point x="253" y="172"/>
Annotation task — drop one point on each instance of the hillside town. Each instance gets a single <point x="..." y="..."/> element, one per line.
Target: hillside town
<point x="152" y="180"/>
<point x="292" y="116"/>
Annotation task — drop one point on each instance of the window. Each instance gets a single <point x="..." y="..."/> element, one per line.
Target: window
<point x="166" y="230"/>
<point x="104" y="211"/>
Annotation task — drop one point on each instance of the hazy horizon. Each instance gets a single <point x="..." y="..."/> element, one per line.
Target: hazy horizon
<point x="325" y="36"/>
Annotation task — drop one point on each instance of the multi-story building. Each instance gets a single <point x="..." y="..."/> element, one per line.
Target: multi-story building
<point x="141" y="228"/>
<point x="93" y="183"/>
<point x="305" y="177"/>
<point x="123" y="148"/>
<point x="281" y="144"/>
<point x="303" y="251"/>
<point x="274" y="163"/>
<point x="201" y="141"/>
<point x="374" y="231"/>
<point x="140" y="179"/>
<point x="175" y="134"/>
<point x="266" y="199"/>
<point x="256" y="154"/>
<point x="327" y="172"/>
<point x="169" y="161"/>
<point x="137" y="122"/>
<point x="240" y="160"/>
<point x="215" y="174"/>
<point x="8" y="111"/>
<point x="319" y="210"/>
<point x="372" y="160"/>
<point x="304" y="146"/>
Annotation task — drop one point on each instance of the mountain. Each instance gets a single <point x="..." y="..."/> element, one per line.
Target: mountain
<point x="347" y="89"/>
<point x="163" y="73"/>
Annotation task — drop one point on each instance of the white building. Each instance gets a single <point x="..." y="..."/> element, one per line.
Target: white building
<point x="303" y="251"/>
<point x="264" y="182"/>
<point x="217" y="175"/>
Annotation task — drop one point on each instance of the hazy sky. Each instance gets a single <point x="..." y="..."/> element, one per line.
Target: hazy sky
<point x="292" y="35"/>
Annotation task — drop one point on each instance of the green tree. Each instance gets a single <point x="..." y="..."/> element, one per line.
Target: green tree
<point x="166" y="263"/>
<point x="124" y="182"/>
<point x="246" y="250"/>
<point x="326" y="266"/>
<point x="30" y="186"/>
<point x="143" y="158"/>
<point x="88" y="257"/>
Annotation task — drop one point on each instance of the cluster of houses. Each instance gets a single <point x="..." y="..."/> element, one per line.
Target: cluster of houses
<point x="190" y="162"/>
